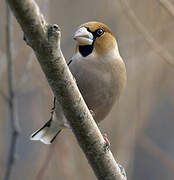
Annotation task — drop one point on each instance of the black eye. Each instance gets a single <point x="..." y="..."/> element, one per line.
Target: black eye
<point x="100" y="32"/>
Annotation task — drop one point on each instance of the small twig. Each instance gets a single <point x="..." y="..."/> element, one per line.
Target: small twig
<point x="13" y="123"/>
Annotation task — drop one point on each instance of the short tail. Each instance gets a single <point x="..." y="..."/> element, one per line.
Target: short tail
<point x="47" y="133"/>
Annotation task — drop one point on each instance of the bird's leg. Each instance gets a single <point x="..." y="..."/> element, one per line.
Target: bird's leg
<point x="54" y="105"/>
<point x="53" y="108"/>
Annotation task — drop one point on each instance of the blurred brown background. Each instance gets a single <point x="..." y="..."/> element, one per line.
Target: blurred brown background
<point x="140" y="127"/>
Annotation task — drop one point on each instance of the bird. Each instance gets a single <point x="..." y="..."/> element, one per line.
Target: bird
<point x="100" y="74"/>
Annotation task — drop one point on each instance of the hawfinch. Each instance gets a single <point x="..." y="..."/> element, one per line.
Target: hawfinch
<point x="100" y="76"/>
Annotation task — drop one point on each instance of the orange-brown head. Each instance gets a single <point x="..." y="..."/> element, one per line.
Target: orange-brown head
<point x="94" y="37"/>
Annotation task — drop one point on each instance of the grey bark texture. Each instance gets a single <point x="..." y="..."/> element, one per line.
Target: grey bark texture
<point x="44" y="39"/>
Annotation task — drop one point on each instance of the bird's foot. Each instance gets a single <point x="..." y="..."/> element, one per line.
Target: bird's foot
<point x="123" y="172"/>
<point x="92" y="113"/>
<point x="107" y="142"/>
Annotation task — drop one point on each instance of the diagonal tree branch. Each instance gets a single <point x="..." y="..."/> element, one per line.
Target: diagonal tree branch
<point x="45" y="41"/>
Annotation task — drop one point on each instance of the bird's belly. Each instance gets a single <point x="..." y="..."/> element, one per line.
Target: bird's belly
<point x="99" y="102"/>
<point x="98" y="90"/>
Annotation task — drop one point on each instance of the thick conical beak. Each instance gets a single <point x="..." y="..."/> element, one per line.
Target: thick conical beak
<point x="83" y="36"/>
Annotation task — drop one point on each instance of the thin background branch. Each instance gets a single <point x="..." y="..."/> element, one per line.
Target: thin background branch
<point x="11" y="102"/>
<point x="149" y="146"/>
<point x="160" y="50"/>
<point x="168" y="6"/>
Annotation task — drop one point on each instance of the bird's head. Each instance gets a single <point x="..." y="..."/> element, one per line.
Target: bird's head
<point x="94" y="36"/>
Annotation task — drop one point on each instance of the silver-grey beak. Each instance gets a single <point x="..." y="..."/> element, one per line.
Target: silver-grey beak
<point x="83" y="36"/>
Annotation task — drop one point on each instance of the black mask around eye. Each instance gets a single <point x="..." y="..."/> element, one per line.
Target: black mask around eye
<point x="87" y="49"/>
<point x="96" y="33"/>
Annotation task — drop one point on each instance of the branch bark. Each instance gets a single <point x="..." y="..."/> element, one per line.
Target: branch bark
<point x="45" y="41"/>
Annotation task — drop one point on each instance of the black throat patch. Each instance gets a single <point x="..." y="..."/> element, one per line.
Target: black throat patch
<point x="86" y="50"/>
